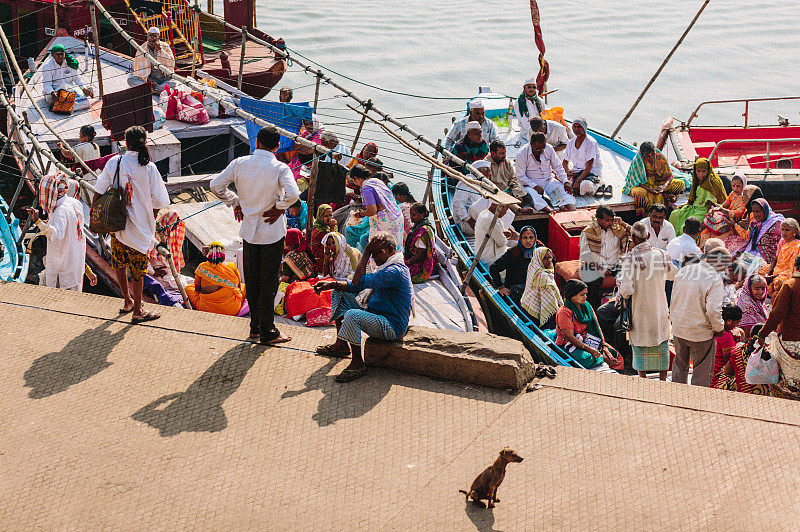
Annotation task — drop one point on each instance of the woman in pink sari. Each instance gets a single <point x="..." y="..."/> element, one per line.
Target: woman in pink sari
<point x="311" y="131"/>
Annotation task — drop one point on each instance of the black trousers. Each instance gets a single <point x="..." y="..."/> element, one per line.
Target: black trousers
<point x="262" y="265"/>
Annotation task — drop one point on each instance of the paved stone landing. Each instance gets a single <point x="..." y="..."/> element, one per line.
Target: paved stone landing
<point x="179" y="424"/>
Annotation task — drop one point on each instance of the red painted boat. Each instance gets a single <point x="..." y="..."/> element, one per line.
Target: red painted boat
<point x="768" y="155"/>
<point x="215" y="48"/>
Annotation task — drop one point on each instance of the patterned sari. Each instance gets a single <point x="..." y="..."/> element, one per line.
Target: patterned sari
<point x="228" y="299"/>
<point x="421" y="271"/>
<point x="653" y="175"/>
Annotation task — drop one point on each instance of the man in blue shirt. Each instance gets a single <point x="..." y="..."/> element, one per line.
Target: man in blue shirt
<point x="388" y="307"/>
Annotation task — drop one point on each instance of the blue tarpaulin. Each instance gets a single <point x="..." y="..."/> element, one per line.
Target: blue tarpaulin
<point x="289" y="116"/>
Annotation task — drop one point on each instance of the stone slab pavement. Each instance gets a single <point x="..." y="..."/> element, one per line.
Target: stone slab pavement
<point x="180" y="424"/>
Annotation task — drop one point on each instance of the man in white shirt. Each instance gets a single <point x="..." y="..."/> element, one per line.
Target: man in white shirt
<point x="696" y="313"/>
<point x="476" y="113"/>
<point x="61" y="72"/>
<point x="555" y="133"/>
<point x="341" y="154"/>
<point x="497" y="241"/>
<point x="602" y="245"/>
<point x="661" y="230"/>
<point x="679" y="247"/>
<point x="535" y="165"/>
<point x="144" y="71"/>
<point x="527" y="106"/>
<point x="266" y="188"/>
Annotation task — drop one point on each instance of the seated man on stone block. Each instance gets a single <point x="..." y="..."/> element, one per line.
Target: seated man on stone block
<point x="388" y="307"/>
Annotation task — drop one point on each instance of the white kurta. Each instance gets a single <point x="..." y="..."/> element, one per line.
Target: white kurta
<point x="497" y="244"/>
<point x="649" y="311"/>
<point x="66" y="245"/>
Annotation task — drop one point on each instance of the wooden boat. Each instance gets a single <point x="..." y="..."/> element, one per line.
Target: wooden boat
<point x="178" y="149"/>
<point x="768" y="155"/>
<point x="503" y="315"/>
<point x="194" y="35"/>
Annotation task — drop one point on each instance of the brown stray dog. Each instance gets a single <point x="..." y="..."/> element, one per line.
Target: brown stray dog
<point x="485" y="486"/>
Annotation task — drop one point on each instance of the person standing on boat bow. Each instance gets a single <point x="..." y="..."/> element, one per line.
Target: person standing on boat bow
<point x="144" y="72"/>
<point x="475" y="113"/>
<point x="60" y="71"/>
<point x="535" y="165"/>
<point x="527" y="106"/>
<point x="266" y="188"/>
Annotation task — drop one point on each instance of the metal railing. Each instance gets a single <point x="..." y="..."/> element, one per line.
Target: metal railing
<point x="768" y="142"/>
<point x="178" y="23"/>
<point x="746" y="102"/>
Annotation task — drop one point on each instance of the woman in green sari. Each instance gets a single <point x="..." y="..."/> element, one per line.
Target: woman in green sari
<point x="707" y="190"/>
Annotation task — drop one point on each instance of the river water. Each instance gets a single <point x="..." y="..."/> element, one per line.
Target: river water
<point x="601" y="55"/>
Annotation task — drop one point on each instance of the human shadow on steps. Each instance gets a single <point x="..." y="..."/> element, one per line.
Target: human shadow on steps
<point x="82" y="358"/>
<point x="199" y="408"/>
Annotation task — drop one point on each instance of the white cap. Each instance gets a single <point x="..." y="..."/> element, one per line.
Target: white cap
<point x="154" y="29"/>
<point x="476" y="104"/>
<point x="529" y="81"/>
<point x="474" y="125"/>
<point x="481" y="163"/>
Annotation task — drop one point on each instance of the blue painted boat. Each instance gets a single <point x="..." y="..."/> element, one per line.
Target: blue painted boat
<point x="14" y="264"/>
<point x="503" y="315"/>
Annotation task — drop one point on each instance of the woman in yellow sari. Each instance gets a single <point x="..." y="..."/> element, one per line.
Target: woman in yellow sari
<point x="707" y="191"/>
<point x="650" y="180"/>
<point x="217" y="286"/>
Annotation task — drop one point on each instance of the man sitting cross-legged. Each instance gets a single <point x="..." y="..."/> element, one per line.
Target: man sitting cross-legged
<point x="388" y="308"/>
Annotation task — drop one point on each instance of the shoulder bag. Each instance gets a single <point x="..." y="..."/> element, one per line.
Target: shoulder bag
<point x="109" y="213"/>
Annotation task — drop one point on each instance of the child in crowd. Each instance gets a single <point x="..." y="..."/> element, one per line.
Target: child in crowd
<point x="731" y="315"/>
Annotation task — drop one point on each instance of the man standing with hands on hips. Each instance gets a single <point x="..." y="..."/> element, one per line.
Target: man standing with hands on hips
<point x="266" y="188"/>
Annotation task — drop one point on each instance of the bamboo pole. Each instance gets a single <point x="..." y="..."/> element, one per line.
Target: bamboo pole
<point x="316" y="92"/>
<point x="210" y="7"/>
<point x="429" y="187"/>
<point x="360" y="126"/>
<point x="312" y="185"/>
<point x="28" y="124"/>
<point x="241" y="57"/>
<point x="22" y="180"/>
<point x="164" y="252"/>
<point x="480" y="249"/>
<point x="663" y="64"/>
<point x="96" y="38"/>
<point x="55" y="17"/>
<point x="196" y="40"/>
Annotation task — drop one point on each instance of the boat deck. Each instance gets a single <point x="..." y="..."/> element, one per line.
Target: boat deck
<point x="210" y="221"/>
<point x="179" y="424"/>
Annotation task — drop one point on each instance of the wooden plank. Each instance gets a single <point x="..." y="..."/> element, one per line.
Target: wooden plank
<point x="207" y="221"/>
<point x="183" y="182"/>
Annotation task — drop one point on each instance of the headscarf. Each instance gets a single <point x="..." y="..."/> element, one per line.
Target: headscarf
<point x="758" y="229"/>
<point x="794" y="225"/>
<point x="541" y="284"/>
<point x="753" y="310"/>
<point x="55" y="186"/>
<point x="295" y="239"/>
<point x="362" y="155"/>
<point x="741" y="177"/>
<point x="173" y="228"/>
<point x="581" y="122"/>
<point x="68" y="58"/>
<point x="346" y="259"/>
<point x="318" y="223"/>
<point x="583" y="313"/>
<point x="299" y="221"/>
<point x="711" y="183"/>
<point x="527" y="253"/>
<point x="216" y="253"/>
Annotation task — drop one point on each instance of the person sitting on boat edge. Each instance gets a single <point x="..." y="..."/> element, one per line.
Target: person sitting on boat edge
<point x="602" y="245"/>
<point x="496" y="237"/>
<point x="419" y="250"/>
<point x="475" y="113"/>
<point x="577" y="330"/>
<point x="527" y="106"/>
<point x="471" y="148"/>
<point x="514" y="263"/>
<point x="144" y="71"/>
<point x="65" y="262"/>
<point x="661" y="231"/>
<point x="707" y="191"/>
<point x="582" y="153"/>
<point x="87" y="150"/>
<point x="286" y="94"/>
<point x="388" y="308"/>
<point x="502" y="173"/>
<point x="555" y="133"/>
<point x="650" y="180"/>
<point x="217" y="284"/>
<point x="541" y="298"/>
<point x="535" y="164"/>
<point x="60" y="71"/>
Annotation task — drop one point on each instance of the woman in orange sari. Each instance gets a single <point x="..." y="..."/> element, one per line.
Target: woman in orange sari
<point x="739" y="233"/>
<point x="217" y="286"/>
<point x="788" y="249"/>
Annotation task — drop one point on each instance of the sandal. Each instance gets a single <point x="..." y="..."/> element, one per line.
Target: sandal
<point x="330" y="351"/>
<point x="123" y="311"/>
<point x="278" y="340"/>
<point x="148" y="316"/>
<point x="599" y="192"/>
<point x="349" y="375"/>
<point x="608" y="192"/>
<point x="550" y="372"/>
<point x="254" y="338"/>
